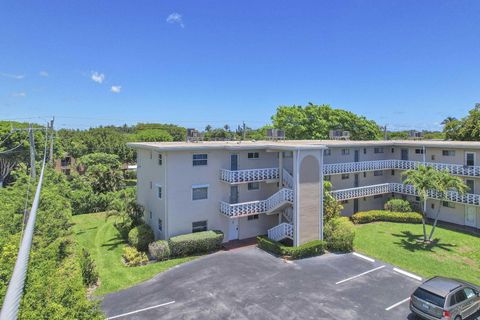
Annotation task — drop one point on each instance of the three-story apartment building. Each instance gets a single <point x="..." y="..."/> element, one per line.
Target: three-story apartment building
<point x="275" y="187"/>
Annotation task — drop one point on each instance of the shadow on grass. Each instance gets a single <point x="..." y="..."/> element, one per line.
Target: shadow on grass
<point x="84" y="230"/>
<point x="114" y="243"/>
<point x="413" y="242"/>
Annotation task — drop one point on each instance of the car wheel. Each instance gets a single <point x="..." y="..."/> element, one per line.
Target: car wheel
<point x="458" y="318"/>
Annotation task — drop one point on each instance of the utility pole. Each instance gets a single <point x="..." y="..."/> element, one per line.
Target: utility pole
<point x="32" y="153"/>
<point x="385" y="132"/>
<point x="51" y="140"/>
<point x="244" y="130"/>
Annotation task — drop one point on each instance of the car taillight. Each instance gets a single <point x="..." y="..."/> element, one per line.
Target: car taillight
<point x="446" y="314"/>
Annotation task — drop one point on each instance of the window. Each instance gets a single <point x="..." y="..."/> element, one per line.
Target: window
<point x="253" y="217"/>
<point x="327" y="178"/>
<point x="160" y="225"/>
<point x="200" y="159"/>
<point x="432" y="206"/>
<point x="471" y="186"/>
<point x="469" y="158"/>
<point x="253" y="155"/>
<point x="433" y="157"/>
<point x="364" y="150"/>
<point x="159" y="192"/>
<point x="419" y="151"/>
<point x="253" y="186"/>
<point x="344" y="201"/>
<point x="392" y="150"/>
<point x="378" y="196"/>
<point x="151" y="215"/>
<point x="345" y="152"/>
<point x="327" y="152"/>
<point x="287" y="154"/>
<point x="430" y="297"/>
<point x="364" y="174"/>
<point x="393" y="172"/>
<point x="345" y="176"/>
<point x="378" y="150"/>
<point x="199" y="226"/>
<point x="448" y="153"/>
<point x="199" y="193"/>
<point x="448" y="204"/>
<point x="417" y="198"/>
<point x="160" y="159"/>
<point x="378" y="173"/>
<point x="470" y="293"/>
<point x="460" y="296"/>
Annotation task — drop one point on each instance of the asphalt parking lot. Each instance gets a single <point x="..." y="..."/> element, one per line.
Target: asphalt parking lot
<point x="248" y="283"/>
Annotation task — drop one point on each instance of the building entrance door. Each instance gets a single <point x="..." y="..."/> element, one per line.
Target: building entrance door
<point x="233" y="230"/>
<point x="234" y="162"/>
<point x="470" y="216"/>
<point x="404" y="153"/>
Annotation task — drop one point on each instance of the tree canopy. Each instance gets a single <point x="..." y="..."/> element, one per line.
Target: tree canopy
<point x="316" y="121"/>
<point x="465" y="129"/>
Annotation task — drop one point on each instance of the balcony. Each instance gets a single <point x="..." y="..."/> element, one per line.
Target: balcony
<point x="249" y="175"/>
<point x="367" y="191"/>
<point x="351" y="167"/>
<point x="235" y="210"/>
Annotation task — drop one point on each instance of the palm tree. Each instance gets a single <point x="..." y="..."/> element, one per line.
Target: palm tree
<point x="422" y="179"/>
<point x="448" y="120"/>
<point x="446" y="183"/>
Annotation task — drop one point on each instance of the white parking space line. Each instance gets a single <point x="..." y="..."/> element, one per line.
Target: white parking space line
<point x="408" y="274"/>
<point x="359" y="275"/>
<point x="397" y="304"/>
<point x="363" y="257"/>
<point x="140" y="310"/>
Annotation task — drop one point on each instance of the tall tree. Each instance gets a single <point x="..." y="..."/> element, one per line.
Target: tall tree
<point x="316" y="121"/>
<point x="423" y="179"/>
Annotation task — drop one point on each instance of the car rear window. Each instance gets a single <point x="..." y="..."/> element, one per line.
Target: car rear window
<point x="429" y="297"/>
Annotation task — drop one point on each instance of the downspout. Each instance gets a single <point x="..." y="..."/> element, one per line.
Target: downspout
<point x="167" y="227"/>
<point x="321" y="196"/>
<point x="297" y="197"/>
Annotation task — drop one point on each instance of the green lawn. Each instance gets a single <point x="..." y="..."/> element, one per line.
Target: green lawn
<point x="104" y="243"/>
<point x="453" y="254"/>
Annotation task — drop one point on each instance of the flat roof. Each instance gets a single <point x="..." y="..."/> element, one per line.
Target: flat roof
<point x="297" y="144"/>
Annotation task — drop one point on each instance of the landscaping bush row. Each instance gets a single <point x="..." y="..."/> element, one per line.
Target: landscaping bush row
<point x="381" y="215"/>
<point x="398" y="205"/>
<point x="309" y="249"/>
<point x="193" y="243"/>
<point x="339" y="233"/>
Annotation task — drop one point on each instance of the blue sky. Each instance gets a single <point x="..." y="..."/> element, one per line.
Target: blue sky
<point x="402" y="63"/>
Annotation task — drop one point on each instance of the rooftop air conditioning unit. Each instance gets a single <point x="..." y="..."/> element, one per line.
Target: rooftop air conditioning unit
<point x="339" y="134"/>
<point x="275" y="134"/>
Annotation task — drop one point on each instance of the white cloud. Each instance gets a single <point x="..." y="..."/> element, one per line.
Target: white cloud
<point x="116" y="89"/>
<point x="12" y="76"/>
<point x="43" y="74"/>
<point x="97" y="77"/>
<point x="19" y="94"/>
<point x="176" y="18"/>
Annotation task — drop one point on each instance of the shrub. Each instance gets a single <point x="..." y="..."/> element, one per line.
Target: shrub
<point x="381" y="215"/>
<point x="140" y="237"/>
<point x="160" y="250"/>
<point x="89" y="271"/>
<point x="309" y="249"/>
<point x="398" y="205"/>
<point x="132" y="257"/>
<point x="339" y="234"/>
<point x="193" y="243"/>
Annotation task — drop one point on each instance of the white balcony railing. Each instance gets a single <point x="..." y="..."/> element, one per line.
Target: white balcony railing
<point x="248" y="175"/>
<point x="242" y="209"/>
<point x="354" y="193"/>
<point x="281" y="231"/>
<point x="287" y="179"/>
<point x="350" y="167"/>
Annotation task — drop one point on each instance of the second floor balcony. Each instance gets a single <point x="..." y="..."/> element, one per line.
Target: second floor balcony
<point x="391" y="164"/>
<point x="249" y="175"/>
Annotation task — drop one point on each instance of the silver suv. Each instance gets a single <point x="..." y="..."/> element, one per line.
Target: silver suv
<point x="446" y="299"/>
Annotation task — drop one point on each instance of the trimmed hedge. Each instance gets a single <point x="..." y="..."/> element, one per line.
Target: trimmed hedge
<point x="140" y="237"/>
<point x="381" y="215"/>
<point x="193" y="243"/>
<point x="160" y="250"/>
<point x="398" y="205"/>
<point x="309" y="249"/>
<point x="339" y="234"/>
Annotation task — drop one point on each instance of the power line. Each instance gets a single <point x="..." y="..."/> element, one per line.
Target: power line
<point x="14" y="293"/>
